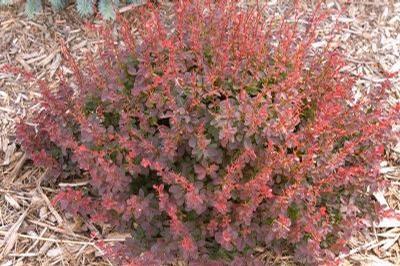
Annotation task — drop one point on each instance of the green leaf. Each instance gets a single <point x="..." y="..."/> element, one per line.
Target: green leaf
<point x="58" y="4"/>
<point x="106" y="8"/>
<point x="84" y="7"/>
<point x="6" y="2"/>
<point x="91" y="105"/>
<point x="111" y="119"/>
<point x="293" y="212"/>
<point x="32" y="7"/>
<point x="137" y="2"/>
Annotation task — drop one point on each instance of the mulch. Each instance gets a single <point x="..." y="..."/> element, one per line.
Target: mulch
<point x="33" y="232"/>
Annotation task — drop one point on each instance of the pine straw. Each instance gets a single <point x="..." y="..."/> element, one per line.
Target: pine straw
<point x="32" y="232"/>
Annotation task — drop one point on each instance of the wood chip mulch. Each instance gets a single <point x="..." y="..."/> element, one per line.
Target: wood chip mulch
<point x="33" y="232"/>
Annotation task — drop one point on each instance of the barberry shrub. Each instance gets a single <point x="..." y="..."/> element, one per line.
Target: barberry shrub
<point x="212" y="133"/>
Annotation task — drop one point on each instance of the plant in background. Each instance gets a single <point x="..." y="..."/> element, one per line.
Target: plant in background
<point x="85" y="8"/>
<point x="213" y="133"/>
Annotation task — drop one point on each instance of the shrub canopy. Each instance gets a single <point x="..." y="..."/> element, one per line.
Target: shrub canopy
<point x="214" y="132"/>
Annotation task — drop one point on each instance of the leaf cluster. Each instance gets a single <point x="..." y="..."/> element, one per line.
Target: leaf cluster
<point x="215" y="133"/>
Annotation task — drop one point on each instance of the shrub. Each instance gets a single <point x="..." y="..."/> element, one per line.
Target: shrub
<point x="85" y="8"/>
<point x="213" y="133"/>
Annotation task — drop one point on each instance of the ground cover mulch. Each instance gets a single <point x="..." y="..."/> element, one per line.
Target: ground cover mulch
<point x="33" y="232"/>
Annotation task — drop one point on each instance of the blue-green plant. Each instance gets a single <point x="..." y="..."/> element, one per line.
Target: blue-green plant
<point x="106" y="8"/>
<point x="32" y="7"/>
<point x="85" y="8"/>
<point x="5" y="2"/>
<point x="58" y="4"/>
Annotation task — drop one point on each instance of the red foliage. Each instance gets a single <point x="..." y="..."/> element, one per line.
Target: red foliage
<point x="214" y="133"/>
